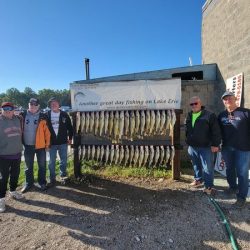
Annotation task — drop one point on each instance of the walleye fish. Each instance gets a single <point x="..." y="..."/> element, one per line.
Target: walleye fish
<point x="172" y="122"/>
<point x="151" y="155"/>
<point x="106" y="155"/>
<point x="101" y="153"/>
<point x="137" y="122"/>
<point x="146" y="154"/>
<point x="167" y="155"/>
<point x="126" y="123"/>
<point x="162" y="122"/>
<point x="112" y="152"/>
<point x="117" y="154"/>
<point x="131" y="155"/>
<point x="142" y="123"/>
<point x="91" y="122"/>
<point x="98" y="151"/>
<point x="132" y="124"/>
<point x="106" y="122"/>
<point x="96" y="120"/>
<point x="157" y="122"/>
<point x="83" y="152"/>
<point x="101" y="123"/>
<point x="157" y="155"/>
<point x="172" y="153"/>
<point x="121" y="156"/>
<point x="116" y="125"/>
<point x="87" y="118"/>
<point x="136" y="156"/>
<point x="121" y="124"/>
<point x="78" y="121"/>
<point x="93" y="152"/>
<point x="147" y="126"/>
<point x="111" y="123"/>
<point x="89" y="153"/>
<point x="126" y="155"/>
<point x="168" y="119"/>
<point x="83" y="123"/>
<point x="141" y="156"/>
<point x="162" y="154"/>
<point x="152" y="122"/>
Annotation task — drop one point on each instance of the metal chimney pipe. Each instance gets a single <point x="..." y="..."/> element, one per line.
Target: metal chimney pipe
<point x="87" y="68"/>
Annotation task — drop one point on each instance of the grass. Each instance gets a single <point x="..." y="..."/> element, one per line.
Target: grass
<point x="92" y="168"/>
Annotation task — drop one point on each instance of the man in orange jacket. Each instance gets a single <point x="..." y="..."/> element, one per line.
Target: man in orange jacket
<point x="36" y="140"/>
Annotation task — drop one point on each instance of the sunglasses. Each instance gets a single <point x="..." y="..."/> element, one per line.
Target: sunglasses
<point x="193" y="104"/>
<point x="8" y="108"/>
<point x="33" y="104"/>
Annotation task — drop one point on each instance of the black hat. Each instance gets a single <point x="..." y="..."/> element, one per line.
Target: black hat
<point x="227" y="93"/>
<point x="52" y="99"/>
<point x="34" y="101"/>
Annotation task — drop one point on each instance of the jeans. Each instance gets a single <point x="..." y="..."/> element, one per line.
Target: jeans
<point x="29" y="154"/>
<point x="62" y="151"/>
<point x="237" y="166"/>
<point x="9" y="168"/>
<point x="202" y="160"/>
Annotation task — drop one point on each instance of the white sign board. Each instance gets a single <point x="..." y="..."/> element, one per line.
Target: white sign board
<point x="126" y="95"/>
<point x="235" y="85"/>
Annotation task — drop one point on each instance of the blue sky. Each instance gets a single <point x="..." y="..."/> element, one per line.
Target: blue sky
<point x="44" y="42"/>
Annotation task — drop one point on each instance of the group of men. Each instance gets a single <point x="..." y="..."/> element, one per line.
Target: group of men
<point x="229" y="133"/>
<point x="37" y="132"/>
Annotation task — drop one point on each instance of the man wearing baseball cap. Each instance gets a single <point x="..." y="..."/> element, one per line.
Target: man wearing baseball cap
<point x="235" y="127"/>
<point x="36" y="140"/>
<point x="10" y="152"/>
<point x="61" y="136"/>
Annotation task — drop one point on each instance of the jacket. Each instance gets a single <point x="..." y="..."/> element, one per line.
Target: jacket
<point x="206" y="130"/>
<point x="42" y="139"/>
<point x="65" y="130"/>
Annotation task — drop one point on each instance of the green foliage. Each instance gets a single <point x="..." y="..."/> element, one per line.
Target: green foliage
<point x="21" y="99"/>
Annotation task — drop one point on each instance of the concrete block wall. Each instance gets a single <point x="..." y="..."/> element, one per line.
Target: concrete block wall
<point x="226" y="41"/>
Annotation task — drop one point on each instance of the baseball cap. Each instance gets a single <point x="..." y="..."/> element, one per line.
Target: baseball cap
<point x="34" y="101"/>
<point x="7" y="104"/>
<point x="52" y="99"/>
<point x="227" y="93"/>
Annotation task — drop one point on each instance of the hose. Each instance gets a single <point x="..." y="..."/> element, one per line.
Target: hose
<point x="225" y="222"/>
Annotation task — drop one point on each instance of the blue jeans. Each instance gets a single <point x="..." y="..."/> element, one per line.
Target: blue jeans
<point x="237" y="166"/>
<point x="202" y="160"/>
<point x="62" y="151"/>
<point x="29" y="154"/>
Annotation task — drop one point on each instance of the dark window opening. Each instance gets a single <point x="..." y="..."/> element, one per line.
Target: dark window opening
<point x="194" y="75"/>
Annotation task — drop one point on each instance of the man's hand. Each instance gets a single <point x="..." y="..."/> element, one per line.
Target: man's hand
<point x="69" y="142"/>
<point x="214" y="149"/>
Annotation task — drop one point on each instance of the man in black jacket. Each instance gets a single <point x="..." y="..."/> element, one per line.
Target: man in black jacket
<point x="203" y="138"/>
<point x="61" y="136"/>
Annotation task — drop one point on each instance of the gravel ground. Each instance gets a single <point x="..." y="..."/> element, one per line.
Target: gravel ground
<point x="122" y="214"/>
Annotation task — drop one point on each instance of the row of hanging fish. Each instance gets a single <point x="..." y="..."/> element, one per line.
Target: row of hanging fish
<point x="126" y="124"/>
<point x="129" y="155"/>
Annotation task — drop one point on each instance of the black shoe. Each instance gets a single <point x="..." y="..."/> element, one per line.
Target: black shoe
<point x="25" y="189"/>
<point x="51" y="184"/>
<point x="240" y="203"/>
<point x="43" y="187"/>
<point x="231" y="191"/>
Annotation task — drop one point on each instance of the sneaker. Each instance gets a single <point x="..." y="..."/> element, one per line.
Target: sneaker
<point x="2" y="205"/>
<point x="196" y="184"/>
<point x="43" y="187"/>
<point x="209" y="191"/>
<point x="240" y="203"/>
<point x="51" y="184"/>
<point x="16" y="195"/>
<point x="25" y="189"/>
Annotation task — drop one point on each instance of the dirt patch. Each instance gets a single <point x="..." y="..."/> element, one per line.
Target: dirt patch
<point x="120" y="214"/>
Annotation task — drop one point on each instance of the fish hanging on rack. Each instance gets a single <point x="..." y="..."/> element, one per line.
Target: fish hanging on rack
<point x="137" y="122"/>
<point x="83" y="123"/>
<point x="121" y="156"/>
<point x="141" y="156"/>
<point x="147" y="126"/>
<point x="121" y="124"/>
<point x="172" y="153"/>
<point x="162" y="154"/>
<point x="132" y="125"/>
<point x="172" y="122"/>
<point x="151" y="155"/>
<point x="78" y="121"/>
<point x="102" y="151"/>
<point x="146" y="154"/>
<point x="106" y="122"/>
<point x="131" y="155"/>
<point x="162" y="122"/>
<point x="157" y="155"/>
<point x="136" y="156"/>
<point x="87" y="117"/>
<point x="89" y="152"/>
<point x="93" y="152"/>
<point x="126" y="123"/>
<point x="106" y="155"/>
<point x="116" y="125"/>
<point x="126" y="155"/>
<point x="98" y="151"/>
<point x="152" y="122"/>
<point x="83" y="152"/>
<point x="157" y="122"/>
<point x="111" y="123"/>
<point x="101" y="123"/>
<point x="142" y="123"/>
<point x="112" y="152"/>
<point x="167" y="155"/>
<point x="91" y="122"/>
<point x="117" y="154"/>
<point x="96" y="121"/>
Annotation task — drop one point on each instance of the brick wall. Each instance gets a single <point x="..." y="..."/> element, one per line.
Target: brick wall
<point x="226" y="40"/>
